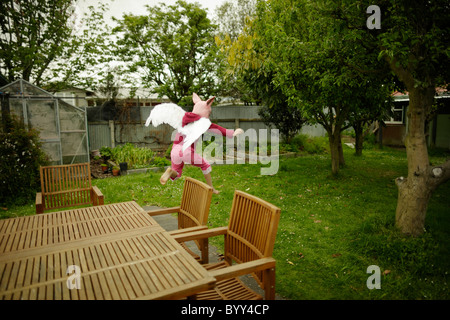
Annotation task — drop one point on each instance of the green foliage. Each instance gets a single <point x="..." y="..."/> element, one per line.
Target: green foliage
<point x="168" y="151"/>
<point x="307" y="60"/>
<point x="173" y="48"/>
<point x="414" y="40"/>
<point x="315" y="145"/>
<point x="276" y="111"/>
<point x="305" y="143"/>
<point x="20" y="159"/>
<point x="160" y="162"/>
<point x="34" y="34"/>
<point x="106" y="153"/>
<point x="134" y="156"/>
<point x="41" y="38"/>
<point x="370" y="142"/>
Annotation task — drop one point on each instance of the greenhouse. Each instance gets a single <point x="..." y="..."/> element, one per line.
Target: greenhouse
<point x="62" y="126"/>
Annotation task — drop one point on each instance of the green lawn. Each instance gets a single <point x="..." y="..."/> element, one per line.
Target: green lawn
<point x="331" y="228"/>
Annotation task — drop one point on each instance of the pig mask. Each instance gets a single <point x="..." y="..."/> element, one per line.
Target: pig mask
<point x="202" y="108"/>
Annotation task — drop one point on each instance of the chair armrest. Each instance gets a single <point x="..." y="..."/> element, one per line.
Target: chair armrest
<point x="97" y="195"/>
<point x="243" y="268"/>
<point x="163" y="211"/>
<point x="39" y="204"/>
<point x="97" y="191"/>
<point x="186" y="230"/>
<point x="202" y="234"/>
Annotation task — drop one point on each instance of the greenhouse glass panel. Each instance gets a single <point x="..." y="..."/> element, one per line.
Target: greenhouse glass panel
<point x="16" y="108"/>
<point x="41" y="116"/>
<point x="74" y="147"/>
<point x="62" y="127"/>
<point x="53" y="152"/>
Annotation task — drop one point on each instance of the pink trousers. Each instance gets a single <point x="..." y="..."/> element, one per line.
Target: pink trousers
<point x="179" y="158"/>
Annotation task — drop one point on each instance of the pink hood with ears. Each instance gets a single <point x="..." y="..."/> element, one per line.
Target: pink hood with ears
<point x="202" y="108"/>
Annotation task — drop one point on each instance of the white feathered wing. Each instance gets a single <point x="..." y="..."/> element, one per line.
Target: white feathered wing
<point x="168" y="113"/>
<point x="194" y="130"/>
<point x="173" y="114"/>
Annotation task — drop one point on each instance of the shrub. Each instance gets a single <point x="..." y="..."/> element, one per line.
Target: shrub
<point x="106" y="153"/>
<point x="303" y="142"/>
<point x="168" y="151"/>
<point x="134" y="156"/>
<point x="20" y="159"/>
<point x="160" y="162"/>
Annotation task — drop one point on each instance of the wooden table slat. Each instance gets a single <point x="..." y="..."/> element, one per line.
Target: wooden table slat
<point x="121" y="251"/>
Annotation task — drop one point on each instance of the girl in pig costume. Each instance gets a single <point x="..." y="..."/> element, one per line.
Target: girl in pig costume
<point x="190" y="126"/>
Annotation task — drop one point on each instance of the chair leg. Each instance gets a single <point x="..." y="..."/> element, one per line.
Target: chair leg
<point x="94" y="198"/>
<point x="39" y="203"/>
<point x="269" y="284"/>
<point x="204" y="248"/>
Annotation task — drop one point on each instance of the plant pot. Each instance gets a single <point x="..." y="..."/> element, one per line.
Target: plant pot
<point x="123" y="167"/>
<point x="105" y="169"/>
<point x="115" y="172"/>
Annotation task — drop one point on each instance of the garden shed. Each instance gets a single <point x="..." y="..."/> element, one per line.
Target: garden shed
<point x="62" y="126"/>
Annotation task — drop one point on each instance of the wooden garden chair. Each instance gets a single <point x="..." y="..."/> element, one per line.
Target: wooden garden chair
<point x="192" y="213"/>
<point x="67" y="186"/>
<point x="249" y="241"/>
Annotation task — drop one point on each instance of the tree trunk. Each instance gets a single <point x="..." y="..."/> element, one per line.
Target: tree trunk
<point x="415" y="191"/>
<point x="341" y="152"/>
<point x="413" y="197"/>
<point x="337" y="156"/>
<point x="359" y="138"/>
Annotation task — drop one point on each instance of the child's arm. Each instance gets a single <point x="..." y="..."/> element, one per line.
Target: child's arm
<point x="229" y="133"/>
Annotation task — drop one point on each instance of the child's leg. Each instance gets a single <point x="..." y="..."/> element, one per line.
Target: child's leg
<point x="177" y="165"/>
<point x="206" y="169"/>
<point x="170" y="173"/>
<point x="191" y="157"/>
<point x="209" y="182"/>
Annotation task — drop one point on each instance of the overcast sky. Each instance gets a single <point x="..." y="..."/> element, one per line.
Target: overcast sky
<point x="119" y="7"/>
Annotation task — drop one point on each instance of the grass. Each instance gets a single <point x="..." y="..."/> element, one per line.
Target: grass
<point x="331" y="228"/>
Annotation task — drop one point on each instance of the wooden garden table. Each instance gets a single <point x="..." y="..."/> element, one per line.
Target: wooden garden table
<point x="115" y="251"/>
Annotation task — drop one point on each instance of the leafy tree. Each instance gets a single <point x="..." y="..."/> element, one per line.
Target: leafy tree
<point x="327" y="44"/>
<point x="89" y="52"/>
<point x="173" y="48"/>
<point x="317" y="61"/>
<point x="34" y="34"/>
<point x="369" y="111"/>
<point x="232" y="18"/>
<point x="232" y="15"/>
<point x="413" y="40"/>
<point x="252" y="80"/>
<point x="40" y="39"/>
<point x="275" y="109"/>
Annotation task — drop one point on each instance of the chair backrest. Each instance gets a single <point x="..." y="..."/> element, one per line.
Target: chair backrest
<point x="66" y="185"/>
<point x="195" y="203"/>
<point x="252" y="229"/>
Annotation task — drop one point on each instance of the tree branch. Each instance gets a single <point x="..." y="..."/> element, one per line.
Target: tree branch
<point x="404" y="75"/>
<point x="439" y="174"/>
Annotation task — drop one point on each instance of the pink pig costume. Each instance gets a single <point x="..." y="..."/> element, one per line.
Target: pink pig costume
<point x="189" y="156"/>
<point x="190" y="126"/>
